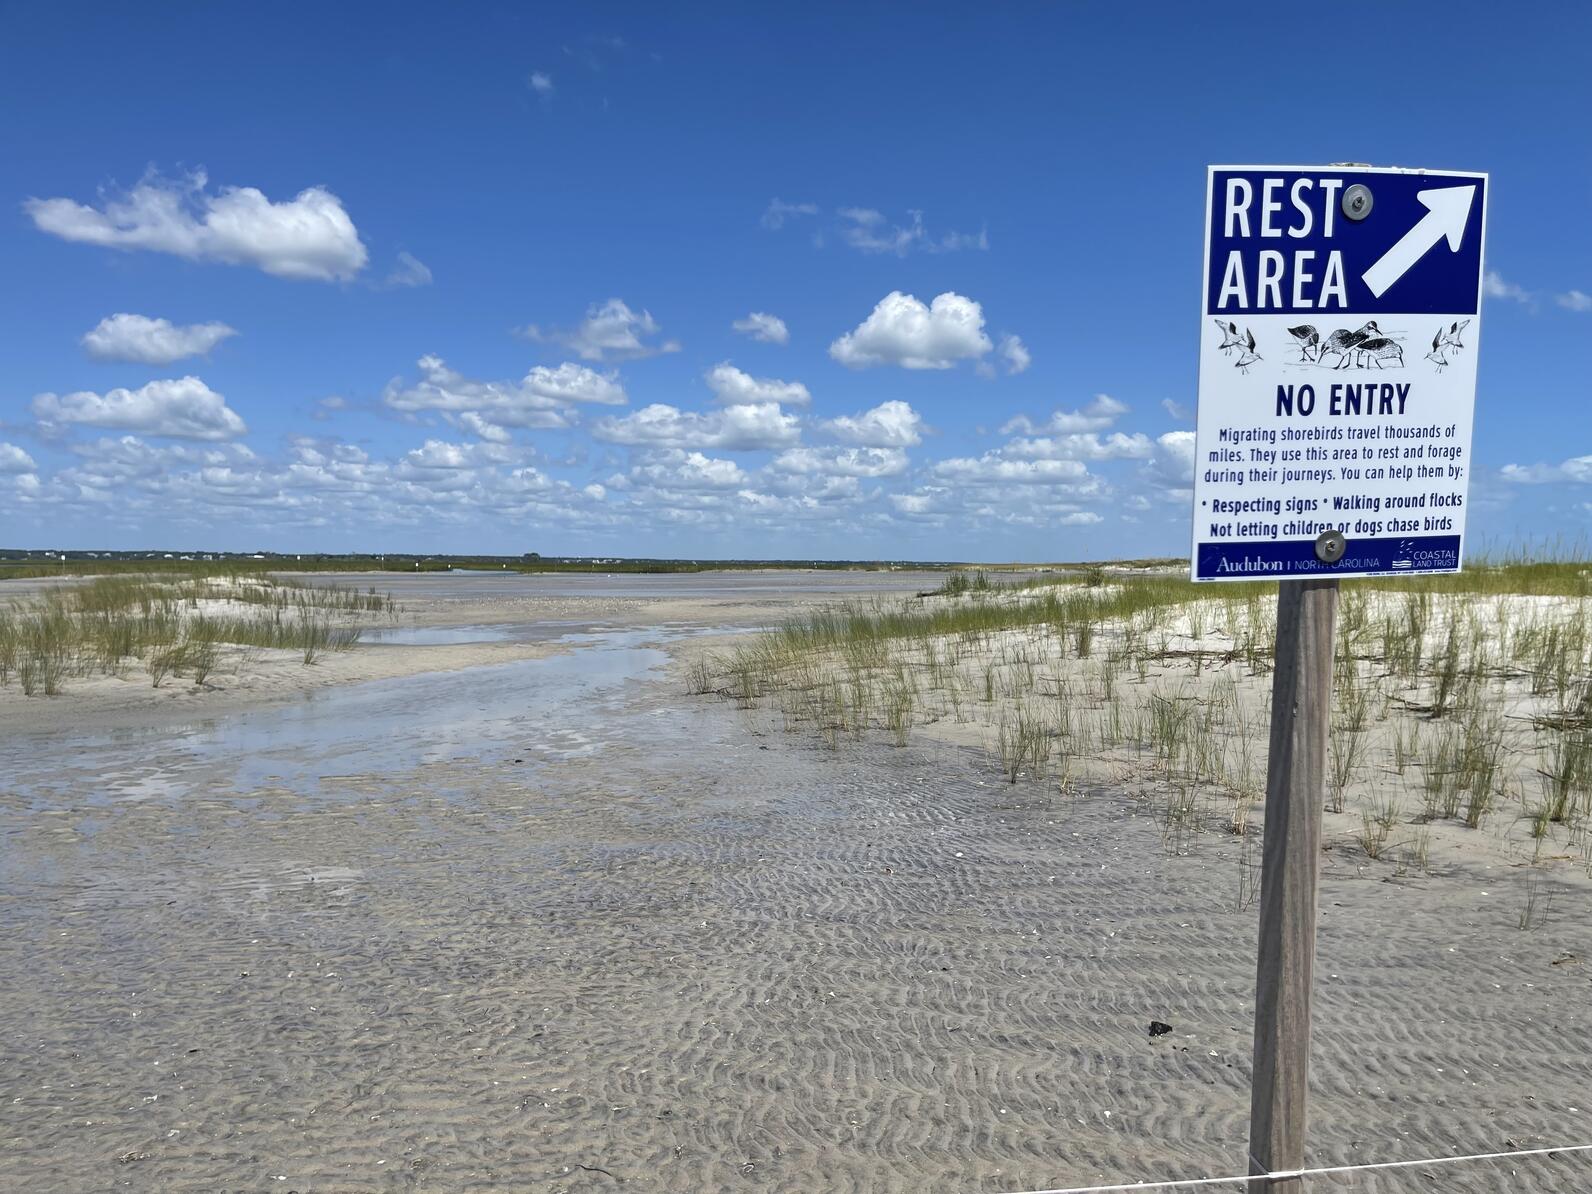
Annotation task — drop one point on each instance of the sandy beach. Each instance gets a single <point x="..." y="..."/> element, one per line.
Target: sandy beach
<point x="486" y="618"/>
<point x="496" y="904"/>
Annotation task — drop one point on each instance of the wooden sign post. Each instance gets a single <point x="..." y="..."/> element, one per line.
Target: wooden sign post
<point x="1339" y="317"/>
<point x="1301" y="707"/>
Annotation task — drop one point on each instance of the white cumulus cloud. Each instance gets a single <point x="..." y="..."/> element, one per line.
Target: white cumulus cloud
<point x="1086" y="445"/>
<point x="732" y="387"/>
<point x="1172" y="464"/>
<point x="892" y="424"/>
<point x="1015" y="353"/>
<point x="676" y="469"/>
<point x="544" y="397"/>
<point x="181" y="408"/>
<point x="1100" y="414"/>
<point x="734" y="428"/>
<point x="14" y="460"/>
<point x="307" y="237"/>
<point x="993" y="467"/>
<point x="108" y="466"/>
<point x="485" y="428"/>
<point x="760" y="325"/>
<point x="841" y="462"/>
<point x="1574" y="300"/>
<point x="1576" y="469"/>
<point x="576" y="383"/>
<point x="125" y="337"/>
<point x="918" y="505"/>
<point x="437" y="455"/>
<point x="1493" y="285"/>
<point x="610" y="330"/>
<point x="904" y="331"/>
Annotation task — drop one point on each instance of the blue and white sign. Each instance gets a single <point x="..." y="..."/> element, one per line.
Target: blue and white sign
<point x="1339" y="323"/>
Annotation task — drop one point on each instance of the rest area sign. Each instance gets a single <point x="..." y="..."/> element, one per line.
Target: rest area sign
<point x="1339" y="323"/>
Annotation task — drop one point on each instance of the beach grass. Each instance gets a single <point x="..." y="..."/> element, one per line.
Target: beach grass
<point x="1455" y="697"/>
<point x="174" y="625"/>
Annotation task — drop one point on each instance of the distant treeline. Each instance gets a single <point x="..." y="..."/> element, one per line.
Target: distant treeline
<point x="22" y="564"/>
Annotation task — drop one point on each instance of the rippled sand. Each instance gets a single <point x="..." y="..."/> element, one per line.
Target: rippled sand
<point x="620" y="940"/>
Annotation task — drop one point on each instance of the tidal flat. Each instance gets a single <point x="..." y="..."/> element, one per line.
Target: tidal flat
<point x="496" y="901"/>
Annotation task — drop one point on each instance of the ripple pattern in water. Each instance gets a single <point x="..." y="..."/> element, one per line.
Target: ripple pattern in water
<point x="692" y="958"/>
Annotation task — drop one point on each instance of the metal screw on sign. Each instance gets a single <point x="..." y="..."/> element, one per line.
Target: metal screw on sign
<point x="1330" y="546"/>
<point x="1357" y="201"/>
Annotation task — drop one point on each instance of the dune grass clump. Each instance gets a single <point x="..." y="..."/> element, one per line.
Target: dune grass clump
<point x="1026" y="740"/>
<point x="187" y="624"/>
<point x="1455" y="697"/>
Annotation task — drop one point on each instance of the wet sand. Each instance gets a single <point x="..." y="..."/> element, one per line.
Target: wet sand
<point x="551" y="924"/>
<point x="460" y="620"/>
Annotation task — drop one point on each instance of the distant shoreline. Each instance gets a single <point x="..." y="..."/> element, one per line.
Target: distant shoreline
<point x="19" y="564"/>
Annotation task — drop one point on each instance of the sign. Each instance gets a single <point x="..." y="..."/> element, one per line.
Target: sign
<point x="1338" y="330"/>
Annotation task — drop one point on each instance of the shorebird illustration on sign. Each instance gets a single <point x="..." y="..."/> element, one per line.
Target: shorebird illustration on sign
<point x="1343" y="342"/>
<point x="1307" y="338"/>
<point x="1436" y="355"/>
<point x="1380" y="349"/>
<point x="1247" y="355"/>
<point x="1230" y="337"/>
<point x="1451" y="337"/>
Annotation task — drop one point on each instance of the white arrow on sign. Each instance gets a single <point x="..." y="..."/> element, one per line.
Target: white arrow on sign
<point x="1447" y="209"/>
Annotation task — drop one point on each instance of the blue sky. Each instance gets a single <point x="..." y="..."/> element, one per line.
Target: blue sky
<point x="466" y="278"/>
